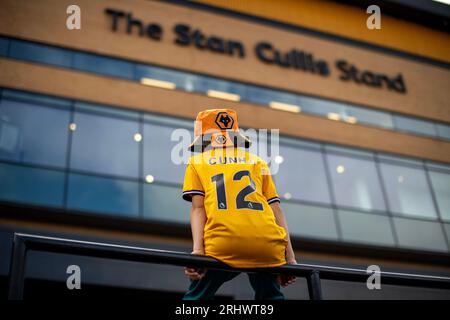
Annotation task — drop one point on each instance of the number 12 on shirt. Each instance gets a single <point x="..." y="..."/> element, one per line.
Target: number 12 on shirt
<point x="241" y="203"/>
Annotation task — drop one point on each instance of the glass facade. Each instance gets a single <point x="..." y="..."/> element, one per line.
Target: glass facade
<point x="440" y="182"/>
<point x="366" y="228"/>
<point x="408" y="124"/>
<point x="172" y="210"/>
<point x="33" y="133"/>
<point x="190" y="82"/>
<point x="103" y="65"/>
<point x="304" y="165"/>
<point x="4" y="44"/>
<point x="157" y="155"/>
<point x="103" y="195"/>
<point x="34" y="52"/>
<point x="316" y="222"/>
<point x="95" y="141"/>
<point x="408" y="190"/>
<point x="36" y="186"/>
<point x="422" y="235"/>
<point x="111" y="161"/>
<point x="355" y="182"/>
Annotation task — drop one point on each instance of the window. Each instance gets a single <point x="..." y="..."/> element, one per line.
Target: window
<point x="220" y="88"/>
<point x="34" y="98"/>
<point x="103" y="195"/>
<point x="105" y="145"/>
<point x="159" y="162"/>
<point x="301" y="175"/>
<point x="170" y="79"/>
<point x="349" y="151"/>
<point x="169" y="121"/>
<point x="310" y="221"/>
<point x="31" y="185"/>
<point x="103" y="65"/>
<point x="440" y="183"/>
<point x="443" y="131"/>
<point x="355" y="183"/>
<point x="33" y="134"/>
<point x="107" y="110"/>
<point x="367" y="116"/>
<point x="415" y="234"/>
<point x="400" y="160"/>
<point x="408" y="124"/>
<point x="366" y="228"/>
<point x="40" y="53"/>
<point x="165" y="203"/>
<point x="265" y="96"/>
<point x="4" y="43"/>
<point x="447" y="231"/>
<point x="329" y="109"/>
<point x="407" y="190"/>
<point x="259" y="95"/>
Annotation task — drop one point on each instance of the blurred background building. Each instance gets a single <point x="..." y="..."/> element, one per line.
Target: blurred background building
<point x="86" y="118"/>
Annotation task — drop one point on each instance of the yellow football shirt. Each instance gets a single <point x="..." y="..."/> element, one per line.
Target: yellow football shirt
<point x="237" y="187"/>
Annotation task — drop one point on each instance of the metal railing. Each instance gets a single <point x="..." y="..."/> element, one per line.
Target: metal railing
<point x="22" y="243"/>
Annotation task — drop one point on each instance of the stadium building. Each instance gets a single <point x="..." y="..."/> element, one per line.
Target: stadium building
<point x="87" y="116"/>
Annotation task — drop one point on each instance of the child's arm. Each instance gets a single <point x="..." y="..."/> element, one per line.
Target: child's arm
<point x="281" y="221"/>
<point x="198" y="220"/>
<point x="284" y="280"/>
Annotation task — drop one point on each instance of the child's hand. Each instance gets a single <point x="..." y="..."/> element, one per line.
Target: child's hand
<point x="195" y="273"/>
<point x="285" y="280"/>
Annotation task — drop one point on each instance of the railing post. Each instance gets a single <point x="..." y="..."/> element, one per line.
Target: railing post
<point x="314" y="286"/>
<point x="17" y="269"/>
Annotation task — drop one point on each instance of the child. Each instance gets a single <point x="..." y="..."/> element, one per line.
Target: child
<point x="235" y="216"/>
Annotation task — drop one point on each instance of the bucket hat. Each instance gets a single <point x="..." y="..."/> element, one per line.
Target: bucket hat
<point x="218" y="127"/>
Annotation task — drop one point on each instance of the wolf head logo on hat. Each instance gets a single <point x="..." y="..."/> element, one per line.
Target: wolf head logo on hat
<point x="218" y="127"/>
<point x="224" y="120"/>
